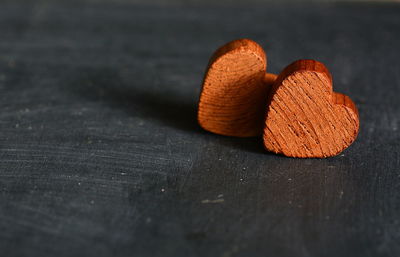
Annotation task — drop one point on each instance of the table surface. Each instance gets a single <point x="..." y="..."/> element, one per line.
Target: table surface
<point x="101" y="154"/>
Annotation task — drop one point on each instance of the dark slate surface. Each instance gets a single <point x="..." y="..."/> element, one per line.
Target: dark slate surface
<point x="101" y="155"/>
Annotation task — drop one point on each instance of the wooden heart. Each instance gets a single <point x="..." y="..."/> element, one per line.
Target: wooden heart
<point x="305" y="118"/>
<point x="235" y="86"/>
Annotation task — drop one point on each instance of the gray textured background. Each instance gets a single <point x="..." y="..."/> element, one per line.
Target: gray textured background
<point x="101" y="155"/>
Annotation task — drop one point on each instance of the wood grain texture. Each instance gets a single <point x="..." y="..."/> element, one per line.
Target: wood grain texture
<point x="232" y="101"/>
<point x="305" y="118"/>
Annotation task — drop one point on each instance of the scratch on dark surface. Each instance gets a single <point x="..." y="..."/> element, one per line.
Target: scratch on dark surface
<point x="220" y="200"/>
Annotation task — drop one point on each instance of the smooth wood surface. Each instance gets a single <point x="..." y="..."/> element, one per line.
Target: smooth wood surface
<point x="233" y="96"/>
<point x="305" y="118"/>
<point x="101" y="153"/>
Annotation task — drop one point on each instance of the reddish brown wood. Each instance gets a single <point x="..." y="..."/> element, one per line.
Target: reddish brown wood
<point x="235" y="86"/>
<point x="305" y="118"/>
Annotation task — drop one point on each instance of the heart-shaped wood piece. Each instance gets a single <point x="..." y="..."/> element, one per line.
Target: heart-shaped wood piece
<point x="305" y="118"/>
<point x="233" y="97"/>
